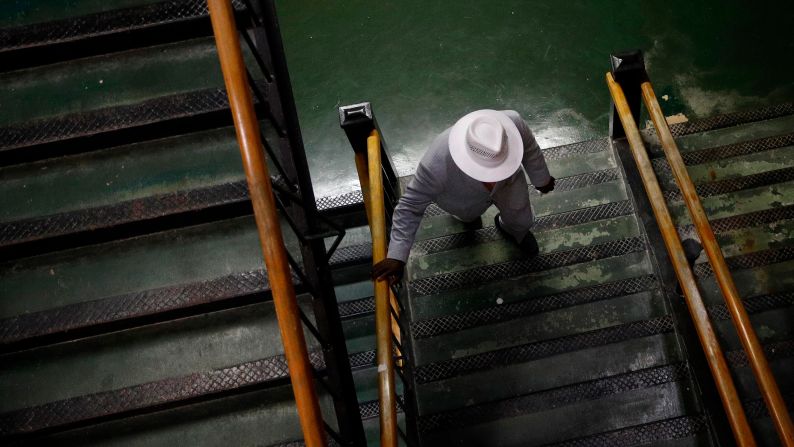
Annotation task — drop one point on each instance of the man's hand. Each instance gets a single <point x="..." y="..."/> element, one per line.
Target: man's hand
<point x="390" y="270"/>
<point x="548" y="188"/>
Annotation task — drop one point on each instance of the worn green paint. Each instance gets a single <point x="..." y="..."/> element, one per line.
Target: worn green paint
<point x="741" y="202"/>
<point x="126" y="358"/>
<point x="543" y="326"/>
<point x="773" y="278"/>
<point x="176" y="257"/>
<point x="534" y="284"/>
<point x="109" y="80"/>
<point x="119" y="174"/>
<point x="523" y="378"/>
<point x="752" y="239"/>
<point x="731" y="135"/>
<point x="736" y="167"/>
<point x="503" y="250"/>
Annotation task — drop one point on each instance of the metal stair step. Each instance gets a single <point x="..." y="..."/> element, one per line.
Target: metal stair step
<point x="734" y="167"/>
<point x="727" y="129"/>
<point x="502" y="250"/>
<point x="618" y="411"/>
<point x="538" y="283"/>
<point x="592" y="363"/>
<point x="536" y="328"/>
<point x="263" y="417"/>
<point x="737" y="203"/>
<point x="437" y="223"/>
<point x="146" y="279"/>
<point x="134" y="370"/>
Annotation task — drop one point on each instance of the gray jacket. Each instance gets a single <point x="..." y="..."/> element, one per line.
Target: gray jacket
<point x="438" y="179"/>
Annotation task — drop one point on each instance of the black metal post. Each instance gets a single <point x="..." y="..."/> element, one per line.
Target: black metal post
<point x="628" y="69"/>
<point x="358" y="120"/>
<point x="292" y="157"/>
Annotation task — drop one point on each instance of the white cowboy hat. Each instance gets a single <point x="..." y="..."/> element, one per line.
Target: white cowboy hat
<point x="486" y="145"/>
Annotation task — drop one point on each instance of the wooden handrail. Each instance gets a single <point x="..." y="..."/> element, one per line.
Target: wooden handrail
<point x="376" y="211"/>
<point x="714" y="356"/>
<point x="741" y="321"/>
<point x="267" y="221"/>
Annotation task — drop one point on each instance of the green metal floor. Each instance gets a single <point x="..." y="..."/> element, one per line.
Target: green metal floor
<point x="423" y="65"/>
<point x="580" y="347"/>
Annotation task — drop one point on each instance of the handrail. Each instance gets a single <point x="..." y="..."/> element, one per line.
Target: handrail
<point x="376" y="212"/>
<point x="741" y="321"/>
<point x="714" y="356"/>
<point x="267" y="221"/>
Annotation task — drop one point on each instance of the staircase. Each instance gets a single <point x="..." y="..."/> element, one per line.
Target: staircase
<point x="135" y="310"/>
<point x="590" y="344"/>
<point x="134" y="305"/>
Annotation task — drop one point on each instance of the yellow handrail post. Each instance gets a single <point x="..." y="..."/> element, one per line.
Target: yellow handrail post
<point x="267" y="222"/>
<point x="383" y="317"/>
<point x="714" y="356"/>
<point x="741" y="321"/>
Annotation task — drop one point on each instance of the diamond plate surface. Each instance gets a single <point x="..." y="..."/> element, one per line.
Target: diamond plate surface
<point x="145" y="208"/>
<point x="123" y="212"/>
<point x="583" y="180"/>
<point x="546" y="348"/>
<point x="746" y="220"/>
<point x="113" y="118"/>
<point x="357" y="307"/>
<point x="775" y="350"/>
<point x="736" y="184"/>
<point x="103" y="23"/>
<point x="362" y="359"/>
<point x="727" y="151"/>
<point x="495" y="272"/>
<point x="504" y="312"/>
<point x="583" y="147"/>
<point x="756" y="409"/>
<point x="132" y="305"/>
<point x="733" y="150"/>
<point x="748" y="261"/>
<point x="558" y="397"/>
<point x="371" y="409"/>
<point x="349" y="199"/>
<point x="754" y="305"/>
<point x="731" y="119"/>
<point x="668" y="429"/>
<point x="562" y="184"/>
<point x="549" y="222"/>
<point x="147" y="395"/>
<point x="352" y="254"/>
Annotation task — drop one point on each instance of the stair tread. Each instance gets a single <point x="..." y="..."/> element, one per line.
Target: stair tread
<point x="502" y="250"/>
<point x="109" y="81"/>
<point x="540" y="283"/>
<point x="123" y="359"/>
<point x="750" y="129"/>
<point x="614" y="412"/>
<point x="552" y="203"/>
<point x="544" y="326"/>
<point x="267" y="417"/>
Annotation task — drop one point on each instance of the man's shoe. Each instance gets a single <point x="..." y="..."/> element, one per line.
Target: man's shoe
<point x="473" y="225"/>
<point x="529" y="245"/>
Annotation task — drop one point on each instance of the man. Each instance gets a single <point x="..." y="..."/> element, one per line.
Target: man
<point x="475" y="163"/>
